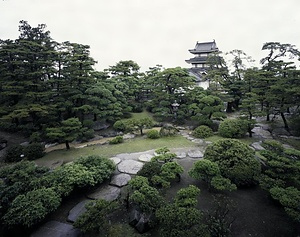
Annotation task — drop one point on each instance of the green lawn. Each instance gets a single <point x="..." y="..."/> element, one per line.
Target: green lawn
<point x="131" y="145"/>
<point x="246" y="140"/>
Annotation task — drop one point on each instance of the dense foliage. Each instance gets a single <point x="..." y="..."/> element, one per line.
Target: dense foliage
<point x="281" y="176"/>
<point x="235" y="160"/>
<point x="233" y="128"/>
<point x="25" y="184"/>
<point x="202" y="131"/>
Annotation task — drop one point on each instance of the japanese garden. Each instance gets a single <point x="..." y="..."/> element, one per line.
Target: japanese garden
<point x="208" y="150"/>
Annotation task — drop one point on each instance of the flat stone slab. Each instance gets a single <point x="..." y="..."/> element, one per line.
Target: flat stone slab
<point x="198" y="141"/>
<point x="259" y="132"/>
<point x="116" y="160"/>
<point x="120" y="180"/>
<point x="108" y="193"/>
<point x="130" y="166"/>
<point x="56" y="229"/>
<point x="180" y="154"/>
<point x="195" y="154"/>
<point x="128" y="136"/>
<point x="257" y="146"/>
<point x="76" y="211"/>
<point x="145" y="157"/>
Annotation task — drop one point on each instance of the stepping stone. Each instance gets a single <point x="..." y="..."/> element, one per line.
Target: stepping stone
<point x="257" y="146"/>
<point x="108" y="193"/>
<point x="145" y="157"/>
<point x="195" y="154"/>
<point x="116" y="160"/>
<point x="198" y="141"/>
<point x="128" y="136"/>
<point x="180" y="154"/>
<point x="76" y="211"/>
<point x="56" y="229"/>
<point x="56" y="164"/>
<point x="120" y="180"/>
<point x="130" y="166"/>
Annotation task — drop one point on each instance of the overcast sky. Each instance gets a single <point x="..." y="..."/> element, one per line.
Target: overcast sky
<point x="154" y="32"/>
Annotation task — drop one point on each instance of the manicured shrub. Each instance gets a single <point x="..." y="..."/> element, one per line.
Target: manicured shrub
<point x="120" y="125"/>
<point x="168" y="131"/>
<point x="202" y="131"/>
<point x="233" y="128"/>
<point x="32" y="207"/>
<point x="95" y="219"/>
<point x="153" y="134"/>
<point x="274" y="146"/>
<point x="34" y="151"/>
<point x="116" y="140"/>
<point x="235" y="160"/>
<point x="14" y="153"/>
<point x="150" y="169"/>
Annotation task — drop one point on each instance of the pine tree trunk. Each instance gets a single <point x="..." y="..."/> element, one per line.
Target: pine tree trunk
<point x="67" y="145"/>
<point x="286" y="126"/>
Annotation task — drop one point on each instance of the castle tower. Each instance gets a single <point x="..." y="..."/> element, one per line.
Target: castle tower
<point x="199" y="62"/>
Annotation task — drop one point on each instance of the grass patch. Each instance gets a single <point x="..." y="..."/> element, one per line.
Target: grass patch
<point x="144" y="114"/>
<point x="129" y="146"/>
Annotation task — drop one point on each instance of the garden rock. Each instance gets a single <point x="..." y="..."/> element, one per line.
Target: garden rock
<point x="116" y="160"/>
<point x="108" y="193"/>
<point x="134" y="217"/>
<point x="56" y="164"/>
<point x="120" y="180"/>
<point x="100" y="126"/>
<point x="128" y="136"/>
<point x="130" y="166"/>
<point x="180" y="154"/>
<point x="257" y="146"/>
<point x="56" y="229"/>
<point x="261" y="133"/>
<point x="195" y="154"/>
<point x="143" y="225"/>
<point x="76" y="211"/>
<point x="198" y="141"/>
<point x="145" y="157"/>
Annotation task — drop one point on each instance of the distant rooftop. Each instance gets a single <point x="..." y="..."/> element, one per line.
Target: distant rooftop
<point x="205" y="47"/>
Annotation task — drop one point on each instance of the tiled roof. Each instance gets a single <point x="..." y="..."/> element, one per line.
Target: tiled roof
<point x="197" y="60"/>
<point x="205" y="47"/>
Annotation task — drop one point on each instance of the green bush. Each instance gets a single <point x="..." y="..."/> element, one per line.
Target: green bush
<point x="233" y="128"/>
<point x="168" y="131"/>
<point x="150" y="169"/>
<point x="14" y="153"/>
<point x="273" y="146"/>
<point x="34" y="151"/>
<point x="95" y="219"/>
<point x="202" y="131"/>
<point x="235" y="160"/>
<point x="32" y="207"/>
<point x="116" y="140"/>
<point x="120" y="125"/>
<point x="153" y="134"/>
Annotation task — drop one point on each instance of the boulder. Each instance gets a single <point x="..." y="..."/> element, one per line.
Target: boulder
<point x="145" y="157"/>
<point x="130" y="166"/>
<point x="76" y="211"/>
<point x="257" y="146"/>
<point x="180" y="154"/>
<point x="116" y="160"/>
<point x="98" y="125"/>
<point x="195" y="154"/>
<point x="120" y="180"/>
<point x="134" y="217"/>
<point x="108" y="193"/>
<point x="56" y="229"/>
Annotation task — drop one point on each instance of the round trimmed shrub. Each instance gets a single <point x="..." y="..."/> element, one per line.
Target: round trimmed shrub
<point x="34" y="151"/>
<point x="120" y="125"/>
<point x="14" y="153"/>
<point x="236" y="161"/>
<point x="116" y="140"/>
<point x="202" y="131"/>
<point x="168" y="131"/>
<point x="233" y="128"/>
<point x="153" y="134"/>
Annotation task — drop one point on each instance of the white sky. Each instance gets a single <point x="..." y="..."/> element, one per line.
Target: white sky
<point x="157" y="31"/>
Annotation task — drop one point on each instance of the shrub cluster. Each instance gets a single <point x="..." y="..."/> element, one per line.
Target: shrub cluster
<point x="235" y="160"/>
<point x="153" y="134"/>
<point x="29" y="193"/>
<point x="31" y="152"/>
<point x="116" y="140"/>
<point x="233" y="128"/>
<point x="202" y="131"/>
